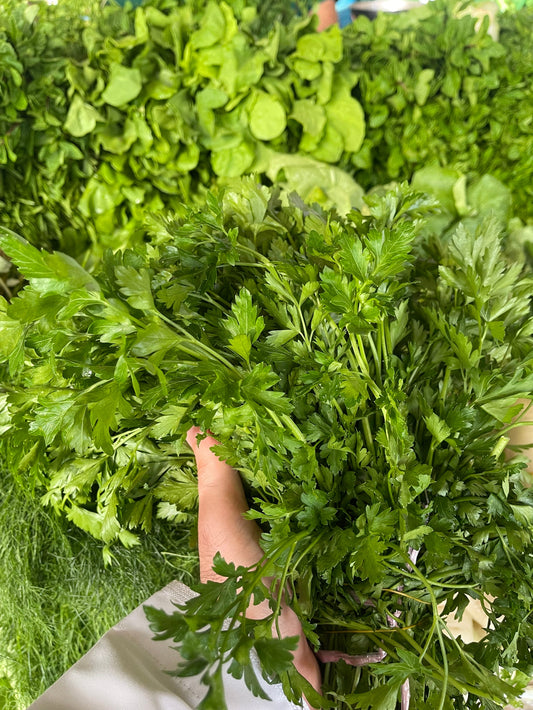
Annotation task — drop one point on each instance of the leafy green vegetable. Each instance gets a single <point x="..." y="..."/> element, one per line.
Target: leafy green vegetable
<point x="436" y="91"/>
<point x="359" y="373"/>
<point x="150" y="106"/>
<point x="137" y="110"/>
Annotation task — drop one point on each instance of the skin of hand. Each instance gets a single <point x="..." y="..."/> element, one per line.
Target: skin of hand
<point x="327" y="15"/>
<point x="222" y="528"/>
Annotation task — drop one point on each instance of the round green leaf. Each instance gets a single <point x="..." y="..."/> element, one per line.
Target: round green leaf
<point x="232" y="162"/>
<point x="267" y="118"/>
<point x="346" y="116"/>
<point x="124" y="85"/>
<point x="81" y="118"/>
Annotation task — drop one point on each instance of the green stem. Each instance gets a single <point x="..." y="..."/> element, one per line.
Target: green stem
<point x="363" y="366"/>
<point x="377" y="358"/>
<point x="445" y="383"/>
<point x="368" y="436"/>
<point x="282" y="587"/>
<point x="385" y="343"/>
<point x="286" y="419"/>
<point x="304" y="326"/>
<point x="198" y="344"/>
<point x="461" y="687"/>
<point x="436" y="621"/>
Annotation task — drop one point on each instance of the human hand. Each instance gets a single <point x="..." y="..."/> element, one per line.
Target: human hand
<point x="222" y="528"/>
<point x="327" y="15"/>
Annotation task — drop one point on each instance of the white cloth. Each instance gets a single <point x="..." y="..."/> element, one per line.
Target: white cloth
<point x="125" y="670"/>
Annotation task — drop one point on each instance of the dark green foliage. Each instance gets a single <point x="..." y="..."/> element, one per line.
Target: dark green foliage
<point x="360" y="377"/>
<point x="436" y="91"/>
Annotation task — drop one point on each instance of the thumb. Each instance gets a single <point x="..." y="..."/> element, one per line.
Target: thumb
<point x="211" y="469"/>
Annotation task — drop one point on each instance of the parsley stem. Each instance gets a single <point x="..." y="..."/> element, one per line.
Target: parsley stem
<point x="198" y="343"/>
<point x="461" y="687"/>
<point x="414" y="576"/>
<point x="445" y="383"/>
<point x="387" y="344"/>
<point x="436" y="624"/>
<point x="281" y="586"/>
<point x="368" y="436"/>
<point x="355" y="349"/>
<point x="377" y="358"/>
<point x="285" y="419"/>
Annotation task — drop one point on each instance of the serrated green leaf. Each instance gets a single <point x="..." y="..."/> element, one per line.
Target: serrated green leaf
<point x="276" y="655"/>
<point x="135" y="285"/>
<point x="437" y="427"/>
<point x="383" y="697"/>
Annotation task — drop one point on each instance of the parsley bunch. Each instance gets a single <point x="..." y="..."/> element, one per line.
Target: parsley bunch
<point x="359" y="372"/>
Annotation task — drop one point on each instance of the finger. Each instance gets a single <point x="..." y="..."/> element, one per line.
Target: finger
<point x="222" y="528"/>
<point x="221" y="506"/>
<point x="327" y="15"/>
<point x="304" y="659"/>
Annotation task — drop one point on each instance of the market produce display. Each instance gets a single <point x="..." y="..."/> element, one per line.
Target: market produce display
<point x="360" y="375"/>
<point x="113" y="114"/>
<point x="436" y="92"/>
<point x="361" y="369"/>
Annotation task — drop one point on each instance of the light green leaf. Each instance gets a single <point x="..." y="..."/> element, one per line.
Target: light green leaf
<point x="346" y="116"/>
<point x="280" y="337"/>
<point x="168" y="421"/>
<point x="11" y="332"/>
<point x="81" y="118"/>
<point x="234" y="161"/>
<point x="135" y="285"/>
<point x="242" y="345"/>
<point x="437" y="428"/>
<point x="315" y="181"/>
<point x="418" y="533"/>
<point x="87" y="520"/>
<point x="267" y="117"/>
<point x="330" y="146"/>
<point x="438" y="182"/>
<point x="323" y="47"/>
<point x="504" y="410"/>
<point x="156" y="337"/>
<point x="383" y="697"/>
<point x="47" y="272"/>
<point x="124" y="85"/>
<point x="310" y="115"/>
<point x="423" y="85"/>
<point x="276" y="654"/>
<point x="212" y="27"/>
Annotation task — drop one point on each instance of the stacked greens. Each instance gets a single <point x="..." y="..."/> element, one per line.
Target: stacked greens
<point x="146" y="108"/>
<point x="109" y="113"/>
<point x="437" y="92"/>
<point x="360" y="373"/>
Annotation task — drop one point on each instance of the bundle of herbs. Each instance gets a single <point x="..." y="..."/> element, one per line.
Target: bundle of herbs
<point x="359" y="375"/>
